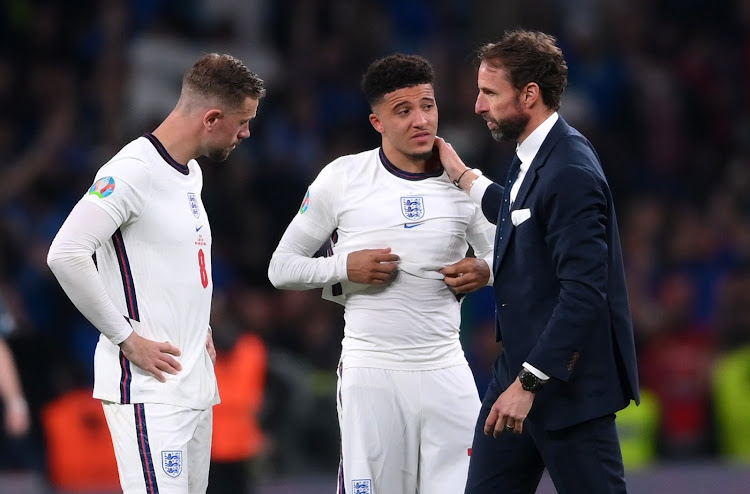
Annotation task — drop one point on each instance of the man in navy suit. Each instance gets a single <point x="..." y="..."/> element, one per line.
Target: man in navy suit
<point x="568" y="361"/>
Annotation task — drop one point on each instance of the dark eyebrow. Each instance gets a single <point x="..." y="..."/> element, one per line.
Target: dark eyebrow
<point x="409" y="103"/>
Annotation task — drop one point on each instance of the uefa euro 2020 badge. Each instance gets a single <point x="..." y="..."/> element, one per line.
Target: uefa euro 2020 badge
<point x="305" y="202"/>
<point x="361" y="486"/>
<point x="102" y="187"/>
<point x="171" y="462"/>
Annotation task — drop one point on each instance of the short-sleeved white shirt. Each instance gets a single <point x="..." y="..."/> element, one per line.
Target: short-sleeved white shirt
<point x="157" y="270"/>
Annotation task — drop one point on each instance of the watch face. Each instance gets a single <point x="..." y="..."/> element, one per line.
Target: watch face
<point x="529" y="381"/>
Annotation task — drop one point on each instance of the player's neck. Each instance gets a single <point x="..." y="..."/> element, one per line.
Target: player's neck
<point x="410" y="164"/>
<point x="176" y="139"/>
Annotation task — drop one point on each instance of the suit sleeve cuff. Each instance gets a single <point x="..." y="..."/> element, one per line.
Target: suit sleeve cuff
<point x="535" y="371"/>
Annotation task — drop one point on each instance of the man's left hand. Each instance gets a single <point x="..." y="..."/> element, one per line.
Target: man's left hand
<point x="509" y="411"/>
<point x="467" y="275"/>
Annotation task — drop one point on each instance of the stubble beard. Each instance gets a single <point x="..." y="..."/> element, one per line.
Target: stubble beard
<point x="421" y="156"/>
<point x="511" y="128"/>
<point x="218" y="155"/>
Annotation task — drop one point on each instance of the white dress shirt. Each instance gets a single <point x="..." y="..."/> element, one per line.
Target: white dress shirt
<point x="526" y="152"/>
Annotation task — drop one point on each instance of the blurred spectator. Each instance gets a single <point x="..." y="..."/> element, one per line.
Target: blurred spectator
<point x="17" y="449"/>
<point x="638" y="429"/>
<point x="731" y="375"/>
<point x="238" y="440"/>
<point x="642" y="234"/>
<point x="16" y="410"/>
<point x="733" y="320"/>
<point x="16" y="420"/>
<point x="676" y="365"/>
<point x="79" y="448"/>
<point x="731" y="380"/>
<point x="80" y="456"/>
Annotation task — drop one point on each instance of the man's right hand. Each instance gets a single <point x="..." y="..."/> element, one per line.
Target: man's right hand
<point x="371" y="266"/>
<point x="151" y="356"/>
<point x="450" y="160"/>
<point x="454" y="167"/>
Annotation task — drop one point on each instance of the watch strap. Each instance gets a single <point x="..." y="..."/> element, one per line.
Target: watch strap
<point x="530" y="381"/>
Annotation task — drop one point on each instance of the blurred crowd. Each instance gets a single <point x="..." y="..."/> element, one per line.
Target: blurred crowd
<point x="658" y="86"/>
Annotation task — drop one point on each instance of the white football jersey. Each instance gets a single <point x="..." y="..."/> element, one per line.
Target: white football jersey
<point x="157" y="270"/>
<point x="363" y="201"/>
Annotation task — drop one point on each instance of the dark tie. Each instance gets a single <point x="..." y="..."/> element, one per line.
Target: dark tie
<point x="515" y="166"/>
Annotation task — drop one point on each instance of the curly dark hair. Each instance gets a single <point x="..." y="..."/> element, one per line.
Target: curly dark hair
<point x="394" y="72"/>
<point x="530" y="56"/>
<point x="223" y="77"/>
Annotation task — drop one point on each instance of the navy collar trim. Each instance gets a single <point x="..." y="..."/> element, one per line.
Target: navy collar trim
<point x="164" y="154"/>
<point x="404" y="174"/>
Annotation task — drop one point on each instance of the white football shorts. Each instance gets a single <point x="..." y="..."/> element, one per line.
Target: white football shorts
<point x="160" y="448"/>
<point x="405" y="431"/>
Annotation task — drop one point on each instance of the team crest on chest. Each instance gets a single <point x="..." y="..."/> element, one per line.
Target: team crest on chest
<point x="412" y="207"/>
<point x="193" y="200"/>
<point x="171" y="462"/>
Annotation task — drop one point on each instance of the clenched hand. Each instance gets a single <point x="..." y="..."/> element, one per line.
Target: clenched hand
<point x="467" y="275"/>
<point x="371" y="266"/>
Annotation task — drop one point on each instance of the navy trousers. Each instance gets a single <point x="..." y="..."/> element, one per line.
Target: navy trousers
<point x="584" y="458"/>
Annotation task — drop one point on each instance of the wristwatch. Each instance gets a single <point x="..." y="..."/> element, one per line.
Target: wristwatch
<point x="529" y="381"/>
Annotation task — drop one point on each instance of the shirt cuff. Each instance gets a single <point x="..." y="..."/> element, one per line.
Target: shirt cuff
<point x="478" y="189"/>
<point x="490" y="259"/>
<point x="341" y="269"/>
<point x="541" y="375"/>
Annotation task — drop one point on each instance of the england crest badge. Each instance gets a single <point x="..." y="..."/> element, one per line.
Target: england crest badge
<point x="193" y="200"/>
<point x="171" y="462"/>
<point x="361" y="486"/>
<point x="412" y="207"/>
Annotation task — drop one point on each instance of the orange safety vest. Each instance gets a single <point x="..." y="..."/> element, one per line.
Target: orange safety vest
<point x="79" y="448"/>
<point x="241" y="375"/>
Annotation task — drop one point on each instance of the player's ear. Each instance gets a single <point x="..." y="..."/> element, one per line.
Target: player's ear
<point x="376" y="123"/>
<point x="210" y="118"/>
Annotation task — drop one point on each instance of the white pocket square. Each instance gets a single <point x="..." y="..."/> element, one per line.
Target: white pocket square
<point x="519" y="216"/>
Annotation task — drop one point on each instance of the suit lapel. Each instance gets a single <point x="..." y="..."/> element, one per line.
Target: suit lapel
<point x="505" y="231"/>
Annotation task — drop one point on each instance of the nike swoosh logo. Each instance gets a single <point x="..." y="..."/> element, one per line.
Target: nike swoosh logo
<point x="198" y="228"/>
<point x="412" y="225"/>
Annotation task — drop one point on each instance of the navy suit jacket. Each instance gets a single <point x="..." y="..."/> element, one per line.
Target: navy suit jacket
<point x="561" y="302"/>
